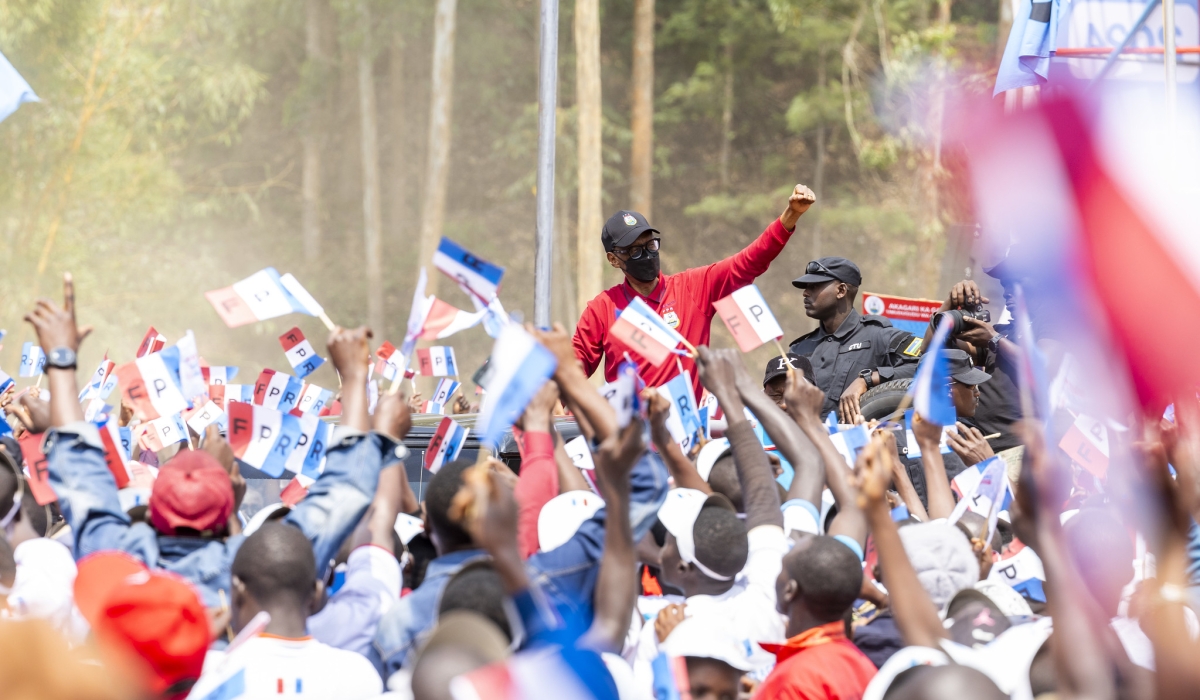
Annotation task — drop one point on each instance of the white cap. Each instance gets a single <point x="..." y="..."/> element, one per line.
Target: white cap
<point x="707" y="636"/>
<point x="901" y="661"/>
<point x="709" y="454"/>
<point x="44" y="586"/>
<point x="678" y="514"/>
<point x="132" y="497"/>
<point x="562" y="515"/>
<point x="257" y="520"/>
<point x="408" y="526"/>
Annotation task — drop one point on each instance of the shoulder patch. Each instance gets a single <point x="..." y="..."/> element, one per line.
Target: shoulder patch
<point x="914" y="348"/>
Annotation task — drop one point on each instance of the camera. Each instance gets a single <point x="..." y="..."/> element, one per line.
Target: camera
<point x="975" y="311"/>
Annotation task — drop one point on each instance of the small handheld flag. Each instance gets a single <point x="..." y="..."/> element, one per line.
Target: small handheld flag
<point x="646" y="333"/>
<point x="622" y="392"/>
<point x="219" y="375"/>
<point x="982" y="489"/>
<point x="476" y="276"/>
<point x="6" y="382"/>
<point x="259" y="297"/>
<point x="164" y="431"/>
<point x="387" y="362"/>
<point x="277" y="390"/>
<point x="683" y="422"/>
<point x="445" y="445"/>
<point x="748" y="318"/>
<point x="151" y="343"/>
<point x="191" y="373"/>
<point x="33" y="360"/>
<point x="443" y="320"/>
<point x="150" y="385"/>
<point x="92" y="389"/>
<point x="300" y="353"/>
<point x="313" y="398"/>
<point x="262" y="437"/>
<point x="519" y="365"/>
<point x="930" y="388"/>
<point x="445" y="391"/>
<point x="437" y="362"/>
<point x="204" y="416"/>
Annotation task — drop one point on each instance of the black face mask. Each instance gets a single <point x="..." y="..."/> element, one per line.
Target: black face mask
<point x="644" y="269"/>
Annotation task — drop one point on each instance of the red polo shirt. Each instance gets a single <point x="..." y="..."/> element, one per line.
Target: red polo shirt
<point x="818" y="664"/>
<point x="684" y="300"/>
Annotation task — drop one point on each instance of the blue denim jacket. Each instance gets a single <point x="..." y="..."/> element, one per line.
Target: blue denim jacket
<point x="567" y="575"/>
<point x="87" y="495"/>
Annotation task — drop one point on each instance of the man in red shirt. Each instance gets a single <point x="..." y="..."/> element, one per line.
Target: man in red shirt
<point x="819" y="581"/>
<point x="684" y="300"/>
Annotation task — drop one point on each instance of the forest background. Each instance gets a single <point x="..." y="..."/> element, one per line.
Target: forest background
<point x="181" y="145"/>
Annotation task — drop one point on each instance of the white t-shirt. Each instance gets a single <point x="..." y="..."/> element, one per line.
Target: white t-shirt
<point x="44" y="587"/>
<point x="275" y="667"/>
<point x="748" y="608"/>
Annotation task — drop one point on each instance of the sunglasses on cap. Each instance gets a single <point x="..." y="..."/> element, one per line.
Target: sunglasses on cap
<point x="816" y="268"/>
<point x="636" y="252"/>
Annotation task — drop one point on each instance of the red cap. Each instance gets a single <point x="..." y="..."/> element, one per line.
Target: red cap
<point x="193" y="491"/>
<point x="153" y="616"/>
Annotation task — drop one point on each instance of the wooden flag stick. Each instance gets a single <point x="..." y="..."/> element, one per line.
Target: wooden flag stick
<point x="691" y="348"/>
<point x="791" y="372"/>
<point x="396" y="383"/>
<point x="326" y="320"/>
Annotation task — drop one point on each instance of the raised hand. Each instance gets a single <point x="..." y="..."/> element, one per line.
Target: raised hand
<point x="668" y="619"/>
<point x="393" y="417"/>
<point x="801" y="199"/>
<point x="968" y="444"/>
<point x="718" y="374"/>
<point x="350" y="354"/>
<point x="55" y="325"/>
<point x="618" y="453"/>
<point x="965" y="293"/>
<point x="803" y="399"/>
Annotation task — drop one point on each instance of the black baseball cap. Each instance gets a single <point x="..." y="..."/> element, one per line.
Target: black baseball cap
<point x="777" y="367"/>
<point x="961" y="369"/>
<point x="823" y="270"/>
<point x="623" y="228"/>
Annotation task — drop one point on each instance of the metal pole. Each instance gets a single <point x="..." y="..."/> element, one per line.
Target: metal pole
<point x="1169" y="61"/>
<point x="547" y="104"/>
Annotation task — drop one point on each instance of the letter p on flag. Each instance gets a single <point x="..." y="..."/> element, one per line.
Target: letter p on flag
<point x="748" y="318"/>
<point x="300" y="354"/>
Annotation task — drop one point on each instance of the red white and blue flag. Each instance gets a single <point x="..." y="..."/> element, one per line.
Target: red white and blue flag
<point x="162" y="432"/>
<point x="445" y="445"/>
<point x="219" y="375"/>
<point x="99" y="378"/>
<point x="644" y="331"/>
<point x="748" y="318"/>
<point x="267" y="439"/>
<point x="476" y="276"/>
<point x="387" y="361"/>
<point x="204" y="416"/>
<point x="300" y="354"/>
<point x="151" y="343"/>
<point x="277" y="390"/>
<point x="150" y="385"/>
<point x="312" y="399"/>
<point x="437" y="362"/>
<point x="261" y="296"/>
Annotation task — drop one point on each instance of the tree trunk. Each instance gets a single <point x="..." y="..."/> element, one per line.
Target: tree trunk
<point x="313" y="137"/>
<point x="727" y="118"/>
<point x="433" y="210"/>
<point x="819" y="175"/>
<point x="588" y="262"/>
<point x="372" y="223"/>
<point x="400" y="194"/>
<point x="641" y="184"/>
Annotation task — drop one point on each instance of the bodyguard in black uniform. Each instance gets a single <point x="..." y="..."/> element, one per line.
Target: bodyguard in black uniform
<point x="850" y="352"/>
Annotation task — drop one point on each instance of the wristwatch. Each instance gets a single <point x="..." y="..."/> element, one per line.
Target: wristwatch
<point x="61" y="358"/>
<point x="867" y="377"/>
<point x="994" y="343"/>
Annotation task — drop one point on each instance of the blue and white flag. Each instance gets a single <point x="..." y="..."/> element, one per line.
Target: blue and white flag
<point x="99" y="378"/>
<point x="33" y="360"/>
<point x="220" y="375"/>
<point x="684" y="421"/>
<point x="518" y="366"/>
<point x="1031" y="44"/>
<point x="309" y="449"/>
<point x="849" y="442"/>
<point x="1023" y="571"/>
<point x="14" y="91"/>
<point x="445" y="390"/>
<point x="831" y="423"/>
<point x="479" y="278"/>
<point x="982" y="489"/>
<point x="930" y="388"/>
<point x="313" y="398"/>
<point x="239" y="392"/>
<point x="6" y="382"/>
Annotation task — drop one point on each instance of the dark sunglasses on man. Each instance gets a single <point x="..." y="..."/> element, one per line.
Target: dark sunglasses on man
<point x="636" y="252"/>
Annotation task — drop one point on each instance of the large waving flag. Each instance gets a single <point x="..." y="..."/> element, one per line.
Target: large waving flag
<point x="646" y="333"/>
<point x="477" y="277"/>
<point x="445" y="445"/>
<point x="14" y="91"/>
<point x="261" y="296"/>
<point x="518" y="367"/>
<point x="930" y="389"/>
<point x="748" y="318"/>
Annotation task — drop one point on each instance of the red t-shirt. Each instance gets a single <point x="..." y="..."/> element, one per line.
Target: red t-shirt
<point x="818" y="664"/>
<point x="684" y="300"/>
